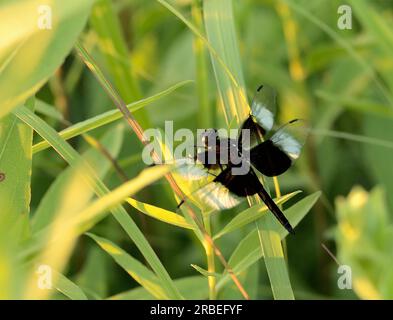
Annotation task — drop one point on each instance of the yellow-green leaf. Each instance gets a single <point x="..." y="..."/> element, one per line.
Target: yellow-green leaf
<point x="160" y="214"/>
<point x="36" y="36"/>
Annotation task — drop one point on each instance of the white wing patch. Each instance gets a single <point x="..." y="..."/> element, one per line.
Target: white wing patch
<point x="263" y="116"/>
<point x="287" y="143"/>
<point x="216" y="196"/>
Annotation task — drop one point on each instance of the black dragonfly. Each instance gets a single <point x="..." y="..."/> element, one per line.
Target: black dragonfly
<point x="271" y="152"/>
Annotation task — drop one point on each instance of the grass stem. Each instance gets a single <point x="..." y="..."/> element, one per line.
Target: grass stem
<point x="211" y="267"/>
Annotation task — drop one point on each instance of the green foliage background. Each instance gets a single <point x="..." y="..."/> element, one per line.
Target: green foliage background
<point x="69" y="163"/>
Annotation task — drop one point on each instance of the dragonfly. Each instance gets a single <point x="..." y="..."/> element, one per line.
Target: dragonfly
<point x="268" y="151"/>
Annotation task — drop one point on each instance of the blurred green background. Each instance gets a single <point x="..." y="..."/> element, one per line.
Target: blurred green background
<point x="340" y="80"/>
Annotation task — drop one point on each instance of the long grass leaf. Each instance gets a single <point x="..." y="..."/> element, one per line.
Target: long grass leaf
<point x="71" y="156"/>
<point x="220" y="29"/>
<point x="160" y="214"/>
<point x="205" y="112"/>
<point x="107" y="117"/>
<point x="228" y="72"/>
<point x="95" y="211"/>
<point x="270" y="244"/>
<point x="69" y="288"/>
<point x="146" y="278"/>
<point x="15" y="168"/>
<point x="249" y="251"/>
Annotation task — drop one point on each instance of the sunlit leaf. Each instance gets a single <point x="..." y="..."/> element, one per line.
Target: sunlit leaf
<point x="33" y="47"/>
<point x="69" y="288"/>
<point x="160" y="214"/>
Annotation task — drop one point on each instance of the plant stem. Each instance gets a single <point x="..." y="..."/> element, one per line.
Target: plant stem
<point x="211" y="267"/>
<point x="277" y="187"/>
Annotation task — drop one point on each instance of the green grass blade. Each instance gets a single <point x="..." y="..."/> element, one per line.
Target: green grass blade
<point x="205" y="112"/>
<point x="146" y="278"/>
<point x="248" y="251"/>
<point x="214" y="54"/>
<point x="160" y="214"/>
<point x="48" y="110"/>
<point x="15" y="167"/>
<point x="96" y="266"/>
<point x="70" y="221"/>
<point x="220" y="29"/>
<point x="205" y="272"/>
<point x="251" y="214"/>
<point x="294" y="214"/>
<point x="95" y="211"/>
<point x="270" y="244"/>
<point x="58" y="191"/>
<point x="15" y="180"/>
<point x="69" y="288"/>
<point x="72" y="157"/>
<point x="107" y="117"/>
<point x="192" y="288"/>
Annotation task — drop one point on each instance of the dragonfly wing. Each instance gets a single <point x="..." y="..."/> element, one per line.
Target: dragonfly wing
<point x="217" y="196"/>
<point x="261" y="119"/>
<point x="254" y="131"/>
<point x="190" y="170"/>
<point x="291" y="137"/>
<point x="263" y="107"/>
<point x="275" y="155"/>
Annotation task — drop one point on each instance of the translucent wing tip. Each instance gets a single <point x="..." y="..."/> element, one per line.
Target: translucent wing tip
<point x="263" y="106"/>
